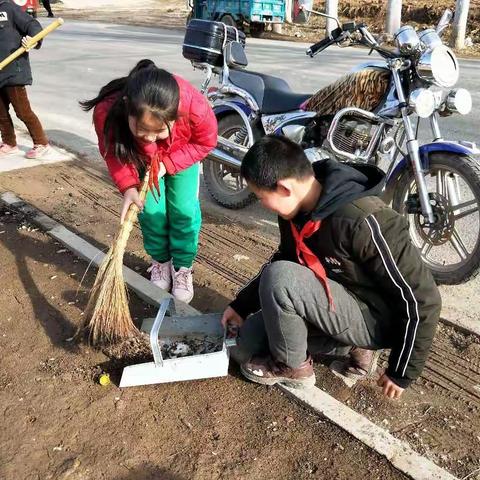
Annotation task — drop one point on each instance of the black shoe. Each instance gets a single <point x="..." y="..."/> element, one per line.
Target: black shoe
<point x="51" y="15"/>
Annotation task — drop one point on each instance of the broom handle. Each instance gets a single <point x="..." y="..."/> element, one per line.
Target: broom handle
<point x="133" y="209"/>
<point x="39" y="36"/>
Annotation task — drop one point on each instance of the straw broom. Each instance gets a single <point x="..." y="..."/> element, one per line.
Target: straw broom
<point x="108" y="318"/>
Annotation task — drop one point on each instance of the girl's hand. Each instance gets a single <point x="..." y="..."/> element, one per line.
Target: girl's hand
<point x="25" y="41"/>
<point x="130" y="196"/>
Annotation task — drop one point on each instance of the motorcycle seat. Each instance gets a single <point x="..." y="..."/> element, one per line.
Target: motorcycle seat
<point x="272" y="94"/>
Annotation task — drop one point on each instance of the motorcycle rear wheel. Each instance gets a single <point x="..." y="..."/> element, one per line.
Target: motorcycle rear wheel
<point x="225" y="183"/>
<point x="451" y="247"/>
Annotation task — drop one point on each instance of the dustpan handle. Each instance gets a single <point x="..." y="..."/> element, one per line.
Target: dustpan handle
<point x="157" y="353"/>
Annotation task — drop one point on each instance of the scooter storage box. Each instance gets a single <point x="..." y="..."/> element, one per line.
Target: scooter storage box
<point x="205" y="40"/>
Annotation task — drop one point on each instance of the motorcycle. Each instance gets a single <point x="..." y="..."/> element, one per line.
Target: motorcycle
<point x="371" y="115"/>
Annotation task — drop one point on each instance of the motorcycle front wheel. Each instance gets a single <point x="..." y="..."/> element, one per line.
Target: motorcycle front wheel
<point x="450" y="247"/>
<point x="224" y="183"/>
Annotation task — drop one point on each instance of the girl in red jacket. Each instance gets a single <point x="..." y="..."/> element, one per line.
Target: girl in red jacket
<point x="153" y="118"/>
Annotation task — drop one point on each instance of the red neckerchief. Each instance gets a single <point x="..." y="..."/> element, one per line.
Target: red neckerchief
<point x="155" y="151"/>
<point x="151" y="149"/>
<point x="308" y="258"/>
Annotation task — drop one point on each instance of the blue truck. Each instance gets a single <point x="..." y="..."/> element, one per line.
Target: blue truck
<point x="251" y="16"/>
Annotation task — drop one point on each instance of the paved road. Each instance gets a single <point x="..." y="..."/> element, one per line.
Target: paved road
<point x="80" y="57"/>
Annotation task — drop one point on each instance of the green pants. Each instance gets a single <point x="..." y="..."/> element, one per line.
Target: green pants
<point x="171" y="224"/>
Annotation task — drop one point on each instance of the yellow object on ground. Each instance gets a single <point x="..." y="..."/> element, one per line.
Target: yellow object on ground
<point x="104" y="379"/>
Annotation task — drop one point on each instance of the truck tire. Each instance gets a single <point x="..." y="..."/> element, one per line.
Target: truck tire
<point x="229" y="21"/>
<point x="257" y="30"/>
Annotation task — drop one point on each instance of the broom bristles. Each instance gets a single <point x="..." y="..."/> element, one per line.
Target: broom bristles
<point x="108" y="318"/>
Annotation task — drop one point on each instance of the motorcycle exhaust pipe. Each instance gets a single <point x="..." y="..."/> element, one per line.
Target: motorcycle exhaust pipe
<point x="228" y="153"/>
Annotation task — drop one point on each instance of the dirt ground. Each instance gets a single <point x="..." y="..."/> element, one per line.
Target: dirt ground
<point x="50" y="394"/>
<point x="59" y="423"/>
<point x="173" y="14"/>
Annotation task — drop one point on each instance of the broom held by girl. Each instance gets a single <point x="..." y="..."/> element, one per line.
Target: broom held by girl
<point x="153" y="119"/>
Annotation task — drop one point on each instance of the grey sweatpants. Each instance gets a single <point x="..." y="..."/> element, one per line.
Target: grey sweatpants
<point x="295" y="317"/>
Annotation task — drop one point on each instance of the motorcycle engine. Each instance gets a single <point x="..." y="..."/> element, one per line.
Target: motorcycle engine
<point x="353" y="134"/>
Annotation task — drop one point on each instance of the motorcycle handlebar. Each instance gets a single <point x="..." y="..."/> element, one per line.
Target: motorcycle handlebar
<point x="320" y="46"/>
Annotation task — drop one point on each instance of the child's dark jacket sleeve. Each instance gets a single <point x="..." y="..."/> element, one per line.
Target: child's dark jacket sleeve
<point x="247" y="300"/>
<point x="382" y="245"/>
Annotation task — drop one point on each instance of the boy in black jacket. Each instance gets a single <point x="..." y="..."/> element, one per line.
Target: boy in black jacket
<point x="345" y="275"/>
<point x="16" y="28"/>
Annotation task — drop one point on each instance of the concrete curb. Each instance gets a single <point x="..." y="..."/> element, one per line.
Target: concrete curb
<point x="398" y="453"/>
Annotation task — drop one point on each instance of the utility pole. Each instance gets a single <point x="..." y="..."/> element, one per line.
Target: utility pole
<point x="332" y="10"/>
<point x="288" y="10"/>
<point x="460" y="23"/>
<point x="394" y="16"/>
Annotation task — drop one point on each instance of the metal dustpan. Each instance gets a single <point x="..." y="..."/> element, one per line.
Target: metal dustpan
<point x="193" y="367"/>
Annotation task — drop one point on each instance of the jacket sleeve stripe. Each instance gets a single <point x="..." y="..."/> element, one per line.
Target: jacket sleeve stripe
<point x="411" y="304"/>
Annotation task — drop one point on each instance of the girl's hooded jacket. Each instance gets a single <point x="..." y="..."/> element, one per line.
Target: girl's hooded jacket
<point x="193" y="136"/>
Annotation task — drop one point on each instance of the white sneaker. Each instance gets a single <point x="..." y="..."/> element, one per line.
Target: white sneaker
<point x="160" y="274"/>
<point x="182" y="288"/>
<point x="6" y="150"/>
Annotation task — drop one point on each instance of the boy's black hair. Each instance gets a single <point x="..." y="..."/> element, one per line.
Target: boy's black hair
<point x="274" y="158"/>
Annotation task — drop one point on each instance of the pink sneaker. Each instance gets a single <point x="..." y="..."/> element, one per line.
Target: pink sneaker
<point x="6" y="150"/>
<point x="182" y="288"/>
<point x="160" y="275"/>
<point x="39" y="151"/>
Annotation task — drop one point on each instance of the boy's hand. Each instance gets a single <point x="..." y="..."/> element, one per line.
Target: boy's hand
<point x="130" y="196"/>
<point x="25" y="41"/>
<point x="390" y="389"/>
<point x="231" y="318"/>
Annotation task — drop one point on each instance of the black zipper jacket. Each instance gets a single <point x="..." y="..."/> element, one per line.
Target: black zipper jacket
<point x="14" y="25"/>
<point x="365" y="246"/>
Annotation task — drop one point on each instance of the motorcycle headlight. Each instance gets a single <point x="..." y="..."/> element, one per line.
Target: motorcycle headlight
<point x="423" y="102"/>
<point x="459" y="101"/>
<point x="407" y="39"/>
<point x="439" y="66"/>
<point x="430" y="38"/>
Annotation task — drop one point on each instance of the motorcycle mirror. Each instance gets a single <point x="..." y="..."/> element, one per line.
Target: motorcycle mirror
<point x="303" y="8"/>
<point x="444" y="21"/>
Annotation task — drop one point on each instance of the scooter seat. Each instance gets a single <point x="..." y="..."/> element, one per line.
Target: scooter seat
<point x="272" y="94"/>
